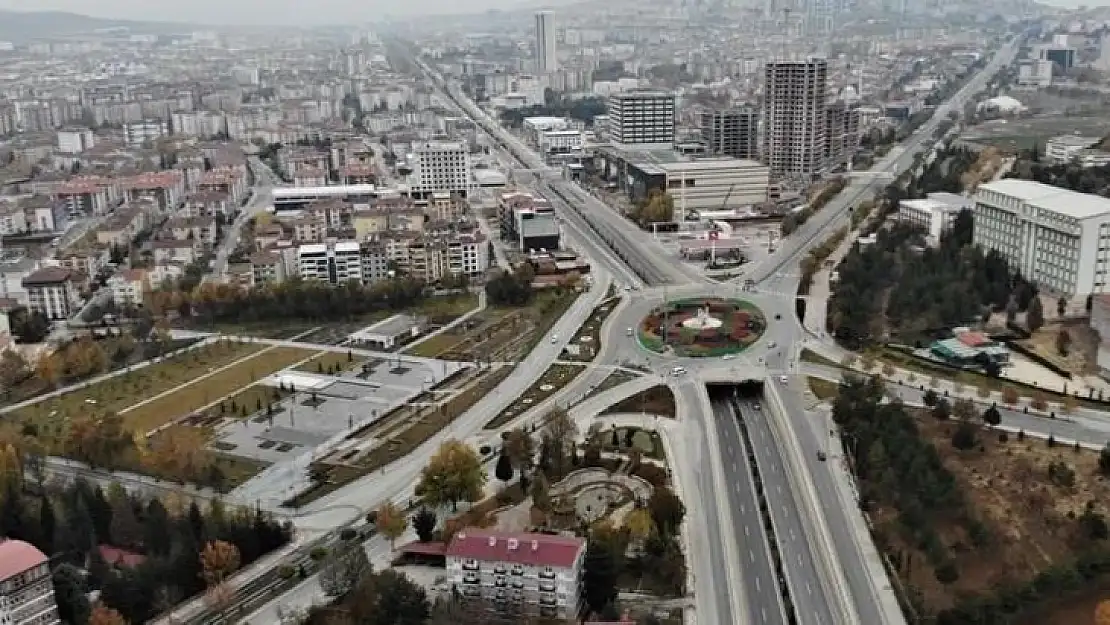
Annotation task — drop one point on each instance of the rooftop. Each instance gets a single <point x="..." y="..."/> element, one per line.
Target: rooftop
<point x="17" y="557"/>
<point x="1070" y="203"/>
<point x="516" y="548"/>
<point x="48" y="275"/>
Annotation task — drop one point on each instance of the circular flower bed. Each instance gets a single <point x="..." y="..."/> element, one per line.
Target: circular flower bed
<point x="702" y="327"/>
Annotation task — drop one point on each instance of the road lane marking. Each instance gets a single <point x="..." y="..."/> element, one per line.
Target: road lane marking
<point x="751" y="557"/>
<point x="809" y="589"/>
<point x="747" y="531"/>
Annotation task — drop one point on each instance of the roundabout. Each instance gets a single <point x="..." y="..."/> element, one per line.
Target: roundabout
<point x="702" y="327"/>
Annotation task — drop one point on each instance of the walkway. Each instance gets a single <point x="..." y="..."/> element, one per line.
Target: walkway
<point x="451" y="326"/>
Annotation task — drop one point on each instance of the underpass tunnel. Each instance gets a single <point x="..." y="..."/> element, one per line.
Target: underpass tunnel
<point x="750" y="390"/>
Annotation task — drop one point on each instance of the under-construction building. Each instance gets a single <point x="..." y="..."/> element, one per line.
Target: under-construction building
<point x="842" y="121"/>
<point x="731" y="132"/>
<point x="795" y="124"/>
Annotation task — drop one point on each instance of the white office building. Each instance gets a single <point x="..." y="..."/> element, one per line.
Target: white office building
<point x="534" y="574"/>
<point x="1059" y="239"/>
<point x="546" y="54"/>
<point x="75" y="140"/>
<point x="441" y="166"/>
<point x="642" y="117"/>
<point x="934" y="214"/>
<point x="1068" y="148"/>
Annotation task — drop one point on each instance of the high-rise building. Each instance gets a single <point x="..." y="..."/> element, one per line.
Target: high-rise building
<point x="842" y="120"/>
<point x="642" y="117"/>
<point x="546" y="54"/>
<point x="733" y="132"/>
<point x="441" y="166"/>
<point x="26" y="591"/>
<point x="795" y="128"/>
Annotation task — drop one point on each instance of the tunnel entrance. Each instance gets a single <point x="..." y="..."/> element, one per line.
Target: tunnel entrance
<point x="743" y="389"/>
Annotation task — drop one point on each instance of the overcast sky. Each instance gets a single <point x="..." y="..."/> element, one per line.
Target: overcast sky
<point x="289" y="12"/>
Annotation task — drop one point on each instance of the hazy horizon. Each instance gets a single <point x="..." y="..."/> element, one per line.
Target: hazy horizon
<point x="261" y="12"/>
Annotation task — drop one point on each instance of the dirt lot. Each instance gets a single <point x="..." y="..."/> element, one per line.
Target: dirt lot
<point x="1030" y="520"/>
<point x="1081" y="356"/>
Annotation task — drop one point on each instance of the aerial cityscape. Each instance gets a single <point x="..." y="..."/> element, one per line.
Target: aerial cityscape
<point x="677" y="312"/>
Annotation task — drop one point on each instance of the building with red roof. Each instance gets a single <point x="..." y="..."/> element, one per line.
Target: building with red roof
<point x="520" y="572"/>
<point x="26" y="590"/>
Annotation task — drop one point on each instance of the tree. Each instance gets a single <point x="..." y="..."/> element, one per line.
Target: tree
<point x="103" y="615"/>
<point x="942" y="410"/>
<point x="391" y="522"/>
<point x="1038" y="402"/>
<point x="964" y="436"/>
<point x="557" y="443"/>
<point x="521" y="449"/>
<point x="1061" y="306"/>
<point x="424" y="523"/>
<point x="47" y="526"/>
<point x="389" y="598"/>
<point x="991" y="416"/>
<point x="218" y="560"/>
<point x="343" y="569"/>
<point x="947" y="573"/>
<point x="1104" y="460"/>
<point x="600" y="571"/>
<point x="667" y="511"/>
<point x="1063" y="342"/>
<point x="930" y="398"/>
<point x="69" y="592"/>
<point x="541" y="499"/>
<point x="1034" y="316"/>
<point x="964" y="410"/>
<point x="504" y="469"/>
<point x="1010" y="396"/>
<point x="453" y="474"/>
<point x="640" y="525"/>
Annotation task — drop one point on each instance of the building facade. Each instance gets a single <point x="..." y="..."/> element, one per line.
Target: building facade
<point x="534" y="574"/>
<point x="52" y="292"/>
<point x="641" y="117"/>
<point x="441" y="166"/>
<point x="335" y="263"/>
<point x="26" y="590"/>
<point x="731" y="132"/>
<point x="842" y="143"/>
<point x="795" y="126"/>
<point x="1059" y="239"/>
<point x="546" y="54"/>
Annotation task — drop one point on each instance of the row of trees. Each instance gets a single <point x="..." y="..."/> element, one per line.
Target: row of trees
<point x="511" y="288"/>
<point x="656" y="208"/>
<point x="184" y="549"/>
<point x="582" y="109"/>
<point x="295" y="299"/>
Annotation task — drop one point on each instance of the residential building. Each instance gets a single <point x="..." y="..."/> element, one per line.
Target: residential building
<point x="52" y="292"/>
<point x="267" y="268"/>
<point x="334" y="263"/>
<point x="201" y="229"/>
<point x="129" y="287"/>
<point x="795" y="127"/>
<point x="546" y="54"/>
<point x="1036" y="73"/>
<point x="173" y="251"/>
<point x="536" y="574"/>
<point x="642" y="117"/>
<point x="136" y="133"/>
<point x="43" y="214"/>
<point x="1057" y="238"/>
<point x="12" y="219"/>
<point x="441" y="166"/>
<point x="26" y="588"/>
<point x="431" y="257"/>
<point x="75" y="140"/>
<point x="731" y="132"/>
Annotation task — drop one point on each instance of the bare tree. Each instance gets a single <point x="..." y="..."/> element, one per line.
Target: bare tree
<point x="343" y="568"/>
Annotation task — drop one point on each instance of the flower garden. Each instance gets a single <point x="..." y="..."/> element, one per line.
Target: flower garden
<point x="702" y="327"/>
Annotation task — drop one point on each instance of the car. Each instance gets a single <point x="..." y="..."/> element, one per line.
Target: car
<point x="628" y="331"/>
<point x="821" y="455"/>
<point x="678" y="370"/>
<point x="757" y="406"/>
<point x="784" y="379"/>
<point x="778" y="316"/>
<point x="728" y="357"/>
<point x="771" y="345"/>
<point x="554" y="339"/>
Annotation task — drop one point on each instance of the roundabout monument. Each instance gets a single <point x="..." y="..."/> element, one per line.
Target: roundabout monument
<point x="702" y="327"/>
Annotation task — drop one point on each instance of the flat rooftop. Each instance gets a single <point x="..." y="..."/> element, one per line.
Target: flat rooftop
<point x="1070" y="203"/>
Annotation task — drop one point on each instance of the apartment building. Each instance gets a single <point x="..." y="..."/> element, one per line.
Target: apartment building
<point x="267" y="268"/>
<point x="334" y="263"/>
<point x="201" y="229"/>
<point x="129" y="287"/>
<point x="432" y="257"/>
<point x="52" y="291"/>
<point x="534" y="574"/>
<point x="795" y="126"/>
<point x="1059" y="239"/>
<point x="136" y="133"/>
<point x="641" y="117"/>
<point x="26" y="589"/>
<point x="440" y="166"/>
<point x="731" y="132"/>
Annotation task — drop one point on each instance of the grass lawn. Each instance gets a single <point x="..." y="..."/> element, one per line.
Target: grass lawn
<point x="808" y="355"/>
<point x="556" y="377"/>
<point x="248" y="401"/>
<point x="588" y="337"/>
<point x="655" y="400"/>
<point x="823" y="389"/>
<point x="435" y="345"/>
<point x="613" y="380"/>
<point x="118" y="393"/>
<point x="205" y="391"/>
<point x="646" y="441"/>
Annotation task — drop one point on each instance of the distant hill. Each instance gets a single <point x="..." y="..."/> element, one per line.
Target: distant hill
<point x="24" y="26"/>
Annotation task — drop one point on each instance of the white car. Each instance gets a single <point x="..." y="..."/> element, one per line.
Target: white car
<point x="784" y="379"/>
<point x="771" y="345"/>
<point x="678" y="371"/>
<point x="554" y="339"/>
<point x="728" y="357"/>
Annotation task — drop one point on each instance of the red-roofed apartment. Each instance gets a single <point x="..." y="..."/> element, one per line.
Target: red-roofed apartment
<point x="26" y="591"/>
<point x="536" y="573"/>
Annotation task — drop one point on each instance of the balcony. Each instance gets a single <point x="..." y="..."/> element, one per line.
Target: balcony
<point x="470" y="566"/>
<point x="547" y="587"/>
<point x="470" y="579"/>
<point x="547" y="574"/>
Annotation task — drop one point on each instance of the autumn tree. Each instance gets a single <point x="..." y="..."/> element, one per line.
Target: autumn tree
<point x="1102" y="613"/>
<point x="103" y="615"/>
<point x="453" y="474"/>
<point x="218" y="561"/>
<point x="640" y="525"/>
<point x="390" y="522"/>
<point x="964" y="410"/>
<point x="521" y="449"/>
<point x="557" y="444"/>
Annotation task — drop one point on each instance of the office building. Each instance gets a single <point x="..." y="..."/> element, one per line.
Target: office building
<point x="795" y="127"/>
<point x="1062" y="57"/>
<point x="26" y="590"/>
<point x="1057" y="238"/>
<point x="1036" y="73"/>
<point x="534" y="574"/>
<point x="731" y="132"/>
<point x="934" y="214"/>
<point x="546" y="53"/>
<point x="642" y="117"/>
<point x="440" y="166"/>
<point x="528" y="222"/>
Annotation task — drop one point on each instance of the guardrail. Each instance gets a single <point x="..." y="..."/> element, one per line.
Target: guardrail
<point x="833" y="579"/>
